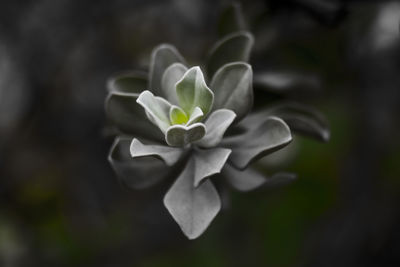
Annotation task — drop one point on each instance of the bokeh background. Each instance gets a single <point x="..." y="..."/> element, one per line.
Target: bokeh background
<point x="61" y="204"/>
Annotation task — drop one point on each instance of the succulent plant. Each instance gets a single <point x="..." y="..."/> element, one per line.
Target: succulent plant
<point x="174" y="122"/>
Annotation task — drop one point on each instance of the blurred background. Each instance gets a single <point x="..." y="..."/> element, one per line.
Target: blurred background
<point x="61" y="204"/>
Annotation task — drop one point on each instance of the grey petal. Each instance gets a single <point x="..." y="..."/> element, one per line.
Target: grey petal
<point x="169" y="79"/>
<point x="234" y="47"/>
<point x="157" y="109"/>
<point x="264" y="138"/>
<point x="170" y="155"/>
<point x="192" y="92"/>
<point x="162" y="57"/>
<point x="231" y="20"/>
<point x="232" y="87"/>
<point x="250" y="179"/>
<point x="193" y="208"/>
<point x="128" y="82"/>
<point x="129" y="117"/>
<point x="216" y="125"/>
<point x="208" y="162"/>
<point x="136" y="173"/>
<point x="286" y="82"/>
<point x="301" y="119"/>
<point x="180" y="135"/>
<point x="243" y="180"/>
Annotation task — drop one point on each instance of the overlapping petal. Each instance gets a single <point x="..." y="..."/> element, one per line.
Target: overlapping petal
<point x="264" y="138"/>
<point x="139" y="173"/>
<point x="162" y="57"/>
<point x="193" y="208"/>
<point x="170" y="155"/>
<point x="193" y="92"/>
<point x="232" y="87"/>
<point x="233" y="47"/>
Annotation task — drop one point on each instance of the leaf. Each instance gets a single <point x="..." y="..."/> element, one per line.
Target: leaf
<point x="170" y="77"/>
<point x="286" y="82"/>
<point x="264" y="138"/>
<point x="170" y="155"/>
<point x="231" y="20"/>
<point x="302" y="119"/>
<point x="193" y="92"/>
<point x="216" y="125"/>
<point x="135" y="173"/>
<point x="129" y="117"/>
<point x="232" y="87"/>
<point x="208" y="162"/>
<point x="250" y="178"/>
<point x="128" y="82"/>
<point x="196" y="116"/>
<point x="162" y="57"/>
<point x="243" y="180"/>
<point x="192" y="208"/>
<point x="157" y="109"/>
<point x="177" y="115"/>
<point x="180" y="135"/>
<point x="233" y="47"/>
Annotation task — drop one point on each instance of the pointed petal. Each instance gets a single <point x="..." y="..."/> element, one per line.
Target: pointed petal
<point x="192" y="208"/>
<point x="128" y="82"/>
<point x="129" y="117"/>
<point x="180" y="135"/>
<point x="162" y="57"/>
<point x="136" y="173"/>
<point x="233" y="47"/>
<point x="157" y="109"/>
<point x="216" y="125"/>
<point x="193" y="92"/>
<point x="267" y="137"/>
<point x="170" y="77"/>
<point x="208" y="162"/>
<point x="232" y="87"/>
<point x="170" y="155"/>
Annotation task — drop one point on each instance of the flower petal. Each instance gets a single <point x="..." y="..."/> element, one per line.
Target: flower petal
<point x="193" y="92"/>
<point x="170" y="155"/>
<point x="232" y="87"/>
<point x="170" y="77"/>
<point x="162" y="57"/>
<point x="243" y="180"/>
<point x="286" y="82"/>
<point x="180" y="135"/>
<point x="303" y="120"/>
<point x="233" y="47"/>
<point x="128" y="82"/>
<point x="208" y="162"/>
<point x="250" y="179"/>
<point x="177" y="115"/>
<point x="196" y="116"/>
<point x="136" y="173"/>
<point x="216" y="125"/>
<point x="157" y="109"/>
<point x="129" y="117"/>
<point x="193" y="208"/>
<point x="269" y="136"/>
<point x="231" y="20"/>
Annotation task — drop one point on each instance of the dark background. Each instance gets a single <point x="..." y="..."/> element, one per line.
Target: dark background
<point x="61" y="204"/>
